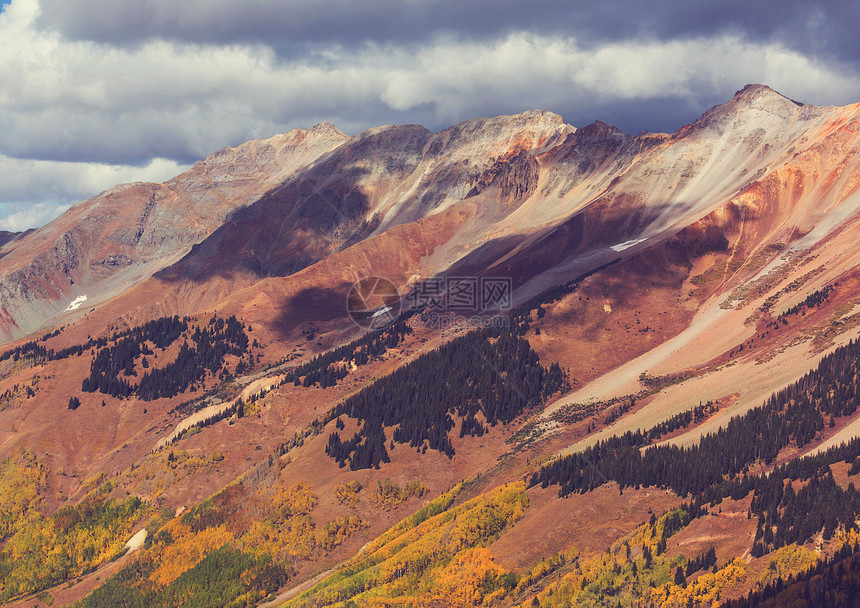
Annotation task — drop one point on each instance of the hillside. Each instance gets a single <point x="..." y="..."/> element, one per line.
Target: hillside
<point x="597" y="369"/>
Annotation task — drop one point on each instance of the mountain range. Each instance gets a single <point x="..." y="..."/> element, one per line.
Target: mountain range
<point x="181" y="358"/>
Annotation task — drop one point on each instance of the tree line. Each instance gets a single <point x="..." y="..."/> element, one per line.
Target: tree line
<point x="329" y="368"/>
<point x="717" y="467"/>
<point x="160" y="330"/>
<point x="114" y="364"/>
<point x="483" y="378"/>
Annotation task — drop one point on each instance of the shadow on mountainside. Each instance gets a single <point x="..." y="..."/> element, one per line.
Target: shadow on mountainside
<point x="320" y="211"/>
<point x="598" y="227"/>
<point x="311" y="305"/>
<point x="288" y="229"/>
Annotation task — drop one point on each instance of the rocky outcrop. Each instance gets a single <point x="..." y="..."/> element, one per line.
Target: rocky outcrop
<point x="106" y="244"/>
<point x="529" y="186"/>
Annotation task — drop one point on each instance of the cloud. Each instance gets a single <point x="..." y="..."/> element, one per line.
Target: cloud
<point x="68" y="181"/>
<point x="102" y="88"/>
<point x="93" y="102"/>
<point x="525" y="70"/>
<point x="816" y="26"/>
<point x="18" y="217"/>
<point x="33" y="192"/>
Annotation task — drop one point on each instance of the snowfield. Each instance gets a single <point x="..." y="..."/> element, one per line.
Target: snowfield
<point x="76" y="303"/>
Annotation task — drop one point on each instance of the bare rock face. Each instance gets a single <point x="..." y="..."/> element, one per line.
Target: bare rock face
<point x="104" y="245"/>
<point x="533" y="197"/>
<point x="516" y="176"/>
<point x="384" y="177"/>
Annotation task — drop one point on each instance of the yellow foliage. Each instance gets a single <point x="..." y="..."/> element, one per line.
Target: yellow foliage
<point x="93" y="482"/>
<point x="622" y="572"/>
<point x="846" y="537"/>
<point x="290" y="534"/>
<point x="298" y="499"/>
<point x="20" y="482"/>
<point x="297" y="538"/>
<point x="650" y="535"/>
<point x="180" y="459"/>
<point x="389" y="495"/>
<point x="546" y="567"/>
<point x="293" y="539"/>
<point x="338" y="530"/>
<point x="435" y="508"/>
<point x="387" y="572"/>
<point x="44" y="551"/>
<point x="787" y="561"/>
<point x="462" y="583"/>
<point x="185" y="551"/>
<point x="705" y="590"/>
<point x="252" y="407"/>
<point x="347" y="493"/>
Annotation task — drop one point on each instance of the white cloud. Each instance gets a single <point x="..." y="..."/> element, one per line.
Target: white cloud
<point x="454" y="77"/>
<point x="83" y="100"/>
<point x="68" y="181"/>
<point x="33" y="192"/>
<point x="83" y="115"/>
<point x="18" y="217"/>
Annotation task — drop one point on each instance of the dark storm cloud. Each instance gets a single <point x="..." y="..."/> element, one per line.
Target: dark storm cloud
<point x="665" y="114"/>
<point x="133" y="89"/>
<point x="825" y="28"/>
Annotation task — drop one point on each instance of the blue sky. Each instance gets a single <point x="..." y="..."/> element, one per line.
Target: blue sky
<point x="107" y="91"/>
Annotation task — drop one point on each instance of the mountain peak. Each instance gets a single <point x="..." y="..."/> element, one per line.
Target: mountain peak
<point x="600" y="129"/>
<point x="536" y="116"/>
<point x="753" y="93"/>
<point x="326" y="128"/>
<point x="755" y="105"/>
<point x="529" y="119"/>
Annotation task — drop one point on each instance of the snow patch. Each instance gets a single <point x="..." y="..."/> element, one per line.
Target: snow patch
<point x="380" y="312"/>
<point x="627" y="244"/>
<point x="76" y="303"/>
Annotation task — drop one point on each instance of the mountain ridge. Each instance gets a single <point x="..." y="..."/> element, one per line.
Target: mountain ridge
<point x="536" y="134"/>
<point x="522" y="152"/>
<point x="214" y="389"/>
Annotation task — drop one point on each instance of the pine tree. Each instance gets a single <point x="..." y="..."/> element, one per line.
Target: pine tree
<point x="680" y="579"/>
